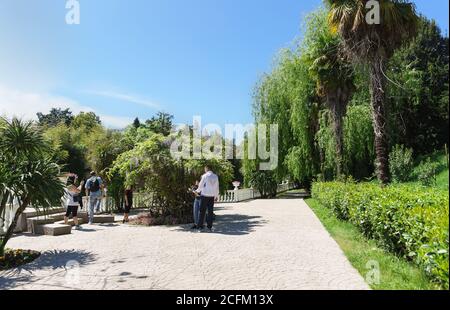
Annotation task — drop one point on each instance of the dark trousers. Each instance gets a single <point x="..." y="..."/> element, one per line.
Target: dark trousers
<point x="206" y="203"/>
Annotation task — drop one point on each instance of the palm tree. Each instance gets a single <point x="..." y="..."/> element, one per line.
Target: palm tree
<point x="333" y="75"/>
<point x="27" y="175"/>
<point x="374" y="44"/>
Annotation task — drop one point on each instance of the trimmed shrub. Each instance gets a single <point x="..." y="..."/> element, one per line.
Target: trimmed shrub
<point x="411" y="221"/>
<point x="401" y="163"/>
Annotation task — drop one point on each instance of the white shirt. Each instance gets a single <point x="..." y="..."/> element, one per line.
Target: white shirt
<point x="209" y="185"/>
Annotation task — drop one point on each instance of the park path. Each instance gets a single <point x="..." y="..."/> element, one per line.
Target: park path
<point x="260" y="244"/>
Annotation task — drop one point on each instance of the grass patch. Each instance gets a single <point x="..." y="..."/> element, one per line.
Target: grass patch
<point x="395" y="272"/>
<point x="440" y="159"/>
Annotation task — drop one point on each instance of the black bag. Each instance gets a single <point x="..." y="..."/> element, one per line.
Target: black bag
<point x="76" y="198"/>
<point x="95" y="186"/>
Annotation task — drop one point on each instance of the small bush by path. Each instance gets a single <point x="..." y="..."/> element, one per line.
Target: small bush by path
<point x="410" y="221"/>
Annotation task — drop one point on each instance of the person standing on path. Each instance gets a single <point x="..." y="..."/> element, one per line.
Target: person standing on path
<point x="72" y="200"/>
<point x="209" y="190"/>
<point x="128" y="203"/>
<point x="196" y="207"/>
<point x="94" y="191"/>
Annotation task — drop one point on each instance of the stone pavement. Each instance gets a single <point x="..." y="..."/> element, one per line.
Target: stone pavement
<point x="261" y="244"/>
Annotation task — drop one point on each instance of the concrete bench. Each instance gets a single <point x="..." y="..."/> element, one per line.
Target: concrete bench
<point x="71" y="222"/>
<point x="22" y="224"/>
<point x="83" y="215"/>
<point x="57" y="216"/>
<point x="34" y="224"/>
<point x="56" y="229"/>
<point x="101" y="219"/>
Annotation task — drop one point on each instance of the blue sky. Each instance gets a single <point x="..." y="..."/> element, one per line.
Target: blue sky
<point x="133" y="58"/>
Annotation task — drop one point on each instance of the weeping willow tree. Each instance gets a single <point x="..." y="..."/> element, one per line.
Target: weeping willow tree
<point x="333" y="76"/>
<point x="286" y="96"/>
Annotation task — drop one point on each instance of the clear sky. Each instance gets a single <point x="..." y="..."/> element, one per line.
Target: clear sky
<point x="131" y="58"/>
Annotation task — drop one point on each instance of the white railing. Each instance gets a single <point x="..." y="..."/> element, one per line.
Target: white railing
<point x="7" y="217"/>
<point x="250" y="193"/>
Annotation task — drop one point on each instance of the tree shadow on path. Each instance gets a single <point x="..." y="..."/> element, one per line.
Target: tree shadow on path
<point x="54" y="260"/>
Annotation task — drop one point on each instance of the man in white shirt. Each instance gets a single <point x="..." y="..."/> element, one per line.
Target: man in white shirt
<point x="209" y="190"/>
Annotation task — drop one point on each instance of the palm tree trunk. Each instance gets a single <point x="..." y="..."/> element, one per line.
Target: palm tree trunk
<point x="377" y="92"/>
<point x="337" y="103"/>
<point x="5" y="238"/>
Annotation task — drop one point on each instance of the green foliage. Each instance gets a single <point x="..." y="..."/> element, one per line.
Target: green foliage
<point x="292" y="95"/>
<point x="86" y="121"/>
<point x="401" y="163"/>
<point x="265" y="183"/>
<point x="359" y="153"/>
<point x="411" y="221"/>
<point x="66" y="150"/>
<point x="326" y="143"/>
<point x="396" y="273"/>
<point x="426" y="172"/>
<point x="28" y="176"/>
<point x="419" y="93"/>
<point x="150" y="168"/>
<point x="161" y="123"/>
<point x="136" y="123"/>
<point x="286" y="97"/>
<point x="55" y="117"/>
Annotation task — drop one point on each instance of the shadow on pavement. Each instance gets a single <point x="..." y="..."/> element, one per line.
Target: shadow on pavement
<point x="294" y="195"/>
<point x="231" y="224"/>
<point x="55" y="259"/>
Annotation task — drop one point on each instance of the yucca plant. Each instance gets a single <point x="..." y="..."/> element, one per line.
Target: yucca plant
<point x="373" y="45"/>
<point x="27" y="174"/>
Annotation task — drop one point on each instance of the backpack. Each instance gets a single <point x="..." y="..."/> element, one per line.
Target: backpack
<point x="95" y="186"/>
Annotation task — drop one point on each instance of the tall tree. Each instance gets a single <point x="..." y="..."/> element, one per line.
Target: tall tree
<point x="27" y="175"/>
<point x="136" y="123"/>
<point x="86" y="120"/>
<point x="419" y="97"/>
<point x="332" y="74"/>
<point x="55" y="117"/>
<point x="373" y="44"/>
<point x="161" y="123"/>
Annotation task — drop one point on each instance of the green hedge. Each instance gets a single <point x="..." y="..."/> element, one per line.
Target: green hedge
<point x="411" y="221"/>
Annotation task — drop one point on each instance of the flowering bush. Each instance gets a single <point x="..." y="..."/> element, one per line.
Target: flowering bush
<point x="16" y="258"/>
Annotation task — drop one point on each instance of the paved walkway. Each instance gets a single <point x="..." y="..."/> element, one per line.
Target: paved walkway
<point x="262" y="244"/>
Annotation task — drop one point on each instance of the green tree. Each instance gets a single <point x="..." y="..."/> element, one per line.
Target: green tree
<point x="161" y="123"/>
<point x="69" y="153"/>
<point x="55" y="117"/>
<point x="374" y="44"/>
<point x="136" y="123"/>
<point x="165" y="180"/>
<point x="27" y="175"/>
<point x="265" y="183"/>
<point x="419" y="92"/>
<point x="86" y="120"/>
<point x="332" y="74"/>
